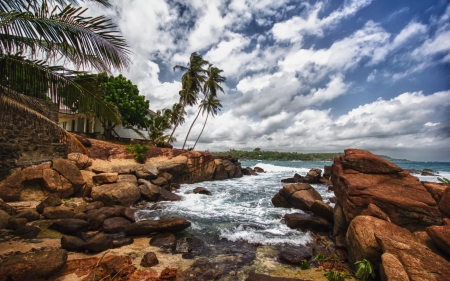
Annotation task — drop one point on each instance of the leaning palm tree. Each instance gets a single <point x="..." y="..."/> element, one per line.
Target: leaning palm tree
<point x="191" y="82"/>
<point x="211" y="106"/>
<point x="37" y="34"/>
<point x="210" y="88"/>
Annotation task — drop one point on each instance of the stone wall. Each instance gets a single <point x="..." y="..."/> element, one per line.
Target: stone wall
<point x="26" y="140"/>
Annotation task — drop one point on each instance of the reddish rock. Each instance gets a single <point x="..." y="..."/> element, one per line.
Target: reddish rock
<point x="440" y="236"/>
<point x="82" y="161"/>
<point x="306" y="222"/>
<point x="376" y="212"/>
<point x="117" y="267"/>
<point x="297" y="195"/>
<point x="168" y="274"/>
<point x="444" y="203"/>
<point x="392" y="269"/>
<point x="435" y="189"/>
<point x="361" y="178"/>
<point x="424" y="239"/>
<point x="10" y="187"/>
<point x="323" y="210"/>
<point x="105" y="178"/>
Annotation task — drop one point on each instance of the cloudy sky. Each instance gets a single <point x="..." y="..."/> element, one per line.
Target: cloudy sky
<point x="305" y="76"/>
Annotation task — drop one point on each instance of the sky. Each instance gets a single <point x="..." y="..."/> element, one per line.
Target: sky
<point x="303" y="76"/>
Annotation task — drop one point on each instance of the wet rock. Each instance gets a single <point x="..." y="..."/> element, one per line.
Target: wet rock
<point x="147" y="172"/>
<point x="202" y="190"/>
<point x="29" y="215"/>
<point x="294" y="256"/>
<point x="259" y="170"/>
<point x="59" y="212"/>
<point x="164" y="240"/>
<point x="313" y="176"/>
<point x="323" y="210"/>
<point x="440" y="235"/>
<point x="32" y="265"/>
<point x="149" y="260"/>
<point x="123" y="193"/>
<point x="297" y="195"/>
<point x="4" y="219"/>
<point x="72" y="243"/>
<point x="145" y="227"/>
<point x="103" y="178"/>
<point x="122" y="241"/>
<point x="115" y="224"/>
<point x="99" y="243"/>
<point x="69" y="226"/>
<point x="165" y="195"/>
<point x="289" y="180"/>
<point x="306" y="221"/>
<point x="27" y="232"/>
<point x="50" y="201"/>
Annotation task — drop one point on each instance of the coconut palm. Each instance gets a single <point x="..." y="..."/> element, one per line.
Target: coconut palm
<point x="210" y="88"/>
<point x="157" y="125"/>
<point x="37" y="34"/>
<point x="211" y="106"/>
<point x="191" y="81"/>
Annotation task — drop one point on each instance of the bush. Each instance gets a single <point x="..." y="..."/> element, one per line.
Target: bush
<point x="138" y="151"/>
<point x="364" y="270"/>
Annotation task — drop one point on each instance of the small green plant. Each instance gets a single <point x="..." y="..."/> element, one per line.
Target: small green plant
<point x="364" y="270"/>
<point x="304" y="264"/>
<point x="444" y="180"/>
<point x="334" y="275"/>
<point x="138" y="151"/>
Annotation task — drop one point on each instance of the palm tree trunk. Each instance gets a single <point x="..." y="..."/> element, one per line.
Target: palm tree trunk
<point x="201" y="131"/>
<point x="178" y="121"/>
<point x="199" y="110"/>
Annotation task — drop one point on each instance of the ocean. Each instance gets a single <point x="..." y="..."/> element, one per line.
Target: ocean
<point x="241" y="209"/>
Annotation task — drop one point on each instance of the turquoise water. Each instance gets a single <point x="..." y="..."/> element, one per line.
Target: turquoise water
<point x="241" y="209"/>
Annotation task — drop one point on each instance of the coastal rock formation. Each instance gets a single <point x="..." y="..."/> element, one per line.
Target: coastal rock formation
<point x="361" y="178"/>
<point x="306" y="221"/>
<point x="123" y="193"/>
<point x="440" y="235"/>
<point x="297" y="195"/>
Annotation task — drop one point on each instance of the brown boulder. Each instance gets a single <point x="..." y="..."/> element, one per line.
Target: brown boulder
<point x="115" y="224"/>
<point x="148" y="190"/>
<point x="58" y="212"/>
<point x="128" y="178"/>
<point x="4" y="219"/>
<point x="361" y="178"/>
<point x="69" y="226"/>
<point x="313" y="176"/>
<point x="340" y="226"/>
<point x="435" y="189"/>
<point x="440" y="236"/>
<point x="113" y="268"/>
<point x="297" y="195"/>
<point x="149" y="260"/>
<point x="82" y="161"/>
<point x="87" y="177"/>
<point x="69" y="171"/>
<point x="122" y="193"/>
<point x="295" y="256"/>
<point x="323" y="210"/>
<point x="444" y="203"/>
<point x="160" y="181"/>
<point x="103" y="178"/>
<point x="50" y="201"/>
<point x="306" y="221"/>
<point x="145" y="227"/>
<point x="99" y="243"/>
<point x="392" y="269"/>
<point x="376" y="212"/>
<point x="71" y="243"/>
<point x="201" y="190"/>
<point x="147" y="172"/>
<point x="164" y="240"/>
<point x="11" y="187"/>
<point x="165" y="195"/>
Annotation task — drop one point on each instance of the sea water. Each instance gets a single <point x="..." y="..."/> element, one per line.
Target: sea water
<point x="241" y="209"/>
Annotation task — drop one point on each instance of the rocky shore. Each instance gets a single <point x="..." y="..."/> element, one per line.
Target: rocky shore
<point x="70" y="219"/>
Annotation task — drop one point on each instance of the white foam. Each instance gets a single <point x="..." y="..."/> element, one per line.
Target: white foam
<point x="270" y="168"/>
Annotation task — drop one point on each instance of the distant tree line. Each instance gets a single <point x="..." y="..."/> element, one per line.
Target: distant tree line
<point x="258" y="154"/>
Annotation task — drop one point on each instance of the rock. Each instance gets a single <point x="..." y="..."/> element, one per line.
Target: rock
<point x="360" y="178"/>
<point x="313" y="176"/>
<point x="423" y="238"/>
<point x="122" y="193"/>
<point x="51" y="201"/>
<point x="376" y="212"/>
<point x="147" y="172"/>
<point x="160" y="181"/>
<point x="96" y="217"/>
<point x="306" y="221"/>
<point x="4" y="219"/>
<point x="428" y="172"/>
<point x="440" y="235"/>
<point x="128" y="213"/>
<point x="165" y="195"/>
<point x="294" y="256"/>
<point x="27" y="231"/>
<point x="297" y="195"/>
<point x="323" y="210"/>
<point x="115" y="224"/>
<point x="87" y="177"/>
<point x="148" y="190"/>
<point x="225" y="169"/>
<point x="164" y="240"/>
<point x="149" y="260"/>
<point x="435" y="189"/>
<point x="119" y="242"/>
<point x="168" y="274"/>
<point x="327" y="171"/>
<point x="340" y="226"/>
<point x="69" y="171"/>
<point x="105" y="178"/>
<point x="145" y="227"/>
<point x="392" y="269"/>
<point x="361" y="241"/>
<point x="262" y="277"/>
<point x="10" y="187"/>
<point x="36" y="265"/>
<point x="94" y="205"/>
<point x="128" y="178"/>
<point x="69" y="225"/>
<point x="99" y="243"/>
<point x="7" y="208"/>
<point x="202" y="190"/>
<point x="289" y="180"/>
<point x="114" y="268"/>
<point x="82" y="161"/>
<point x="333" y="199"/>
<point x="15" y="223"/>
<point x="444" y="203"/>
<point x="58" y="212"/>
<point x="246" y="172"/>
<point x="418" y="262"/>
<point x="259" y="170"/>
<point x="29" y="215"/>
<point x="71" y="243"/>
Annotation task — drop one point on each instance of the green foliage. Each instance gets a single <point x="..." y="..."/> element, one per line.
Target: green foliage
<point x="319" y="257"/>
<point x="278" y="156"/>
<point x="257" y="149"/>
<point x="138" y="151"/>
<point x="304" y="264"/>
<point x="444" y="180"/>
<point x="157" y="125"/>
<point x="334" y="275"/>
<point x="364" y="270"/>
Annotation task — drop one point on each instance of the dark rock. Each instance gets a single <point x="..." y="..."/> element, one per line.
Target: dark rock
<point x="51" y="201"/>
<point x="295" y="256"/>
<point x="289" y="180"/>
<point x="202" y="190"/>
<point x="148" y="190"/>
<point x="297" y="195"/>
<point x="313" y="176"/>
<point x="80" y="216"/>
<point x="262" y="277"/>
<point x="444" y="203"/>
<point x="333" y="199"/>
<point x="27" y="232"/>
<point x="306" y="221"/>
<point x="93" y="206"/>
<point x="145" y="227"/>
<point x="323" y="210"/>
<point x="340" y="226"/>
<point x="4" y="219"/>
<point x="115" y="224"/>
<point x="59" y="212"/>
<point x="259" y="170"/>
<point x="96" y="217"/>
<point x="165" y="195"/>
<point x="164" y="240"/>
<point x="428" y="172"/>
<point x="440" y="235"/>
<point x="29" y="215"/>
<point x="7" y="208"/>
<point x="114" y="267"/>
<point x="327" y="171"/>
<point x="149" y="260"/>
<point x="69" y="226"/>
<point x="128" y="213"/>
<point x="15" y="223"/>
<point x="119" y="242"/>
<point x="72" y="243"/>
<point x="99" y="243"/>
<point x="34" y="265"/>
<point x="169" y="274"/>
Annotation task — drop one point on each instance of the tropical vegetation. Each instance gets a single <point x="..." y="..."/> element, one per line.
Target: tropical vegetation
<point x="258" y="154"/>
<point x="36" y="38"/>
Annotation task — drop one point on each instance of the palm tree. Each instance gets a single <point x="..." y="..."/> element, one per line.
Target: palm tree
<point x="191" y="82"/>
<point x="54" y="31"/>
<point x="157" y="124"/>
<point x="210" y="88"/>
<point x="211" y="106"/>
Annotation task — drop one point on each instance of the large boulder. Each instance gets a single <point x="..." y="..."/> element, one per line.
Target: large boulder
<point x="145" y="227"/>
<point x="82" y="161"/>
<point x="69" y="226"/>
<point x="361" y="178"/>
<point x="313" y="176"/>
<point x="103" y="178"/>
<point x="440" y="235"/>
<point x="123" y="193"/>
<point x="147" y="172"/>
<point x="297" y="195"/>
<point x="306" y="222"/>
<point x="4" y="219"/>
<point x="225" y="169"/>
<point x="444" y="202"/>
<point x="321" y="209"/>
<point x="148" y="190"/>
<point x="69" y="171"/>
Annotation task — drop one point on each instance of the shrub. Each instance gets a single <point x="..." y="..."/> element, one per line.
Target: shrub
<point x="444" y="180"/>
<point x="364" y="270"/>
<point x="138" y="151"/>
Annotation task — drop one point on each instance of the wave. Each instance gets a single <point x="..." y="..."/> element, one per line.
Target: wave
<point x="270" y="168"/>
